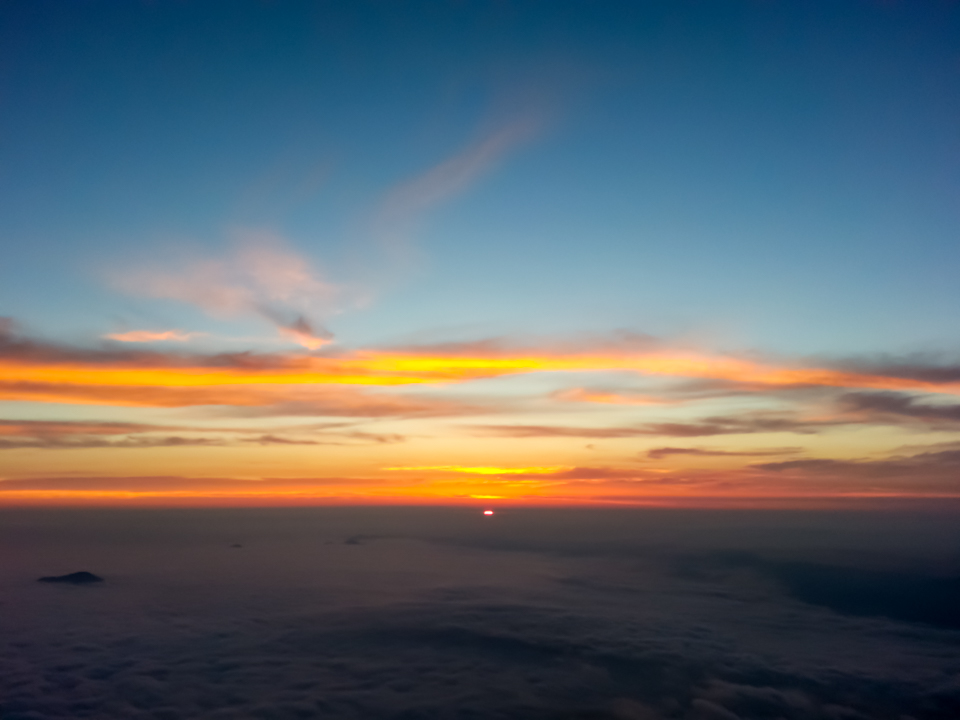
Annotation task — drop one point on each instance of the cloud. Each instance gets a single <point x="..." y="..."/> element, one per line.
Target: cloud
<point x="260" y="276"/>
<point x="483" y="470"/>
<point x="937" y="471"/>
<point x="758" y="422"/>
<point x="890" y="407"/>
<point x="337" y="402"/>
<point x="586" y="614"/>
<point x="245" y="400"/>
<point x="251" y="385"/>
<point x="140" y="336"/>
<point x="70" y="435"/>
<point x="606" y="397"/>
<point x="927" y="369"/>
<point x="55" y="428"/>
<point x="528" y="431"/>
<point x="662" y="452"/>
<point x="409" y="200"/>
<point x="79" y="435"/>
<point x="303" y="333"/>
<point x="173" y="485"/>
<point x="48" y="372"/>
<point x="593" y="473"/>
<point x="85" y="443"/>
<point x="355" y="436"/>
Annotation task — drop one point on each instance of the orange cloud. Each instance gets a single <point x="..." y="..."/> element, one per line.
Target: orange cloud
<point x="537" y="470"/>
<point x="305" y="336"/>
<point x="600" y="396"/>
<point x="391" y="368"/>
<point x="50" y="373"/>
<point x="242" y="401"/>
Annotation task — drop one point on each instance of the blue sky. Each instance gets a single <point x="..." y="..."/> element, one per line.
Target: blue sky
<point x="785" y="172"/>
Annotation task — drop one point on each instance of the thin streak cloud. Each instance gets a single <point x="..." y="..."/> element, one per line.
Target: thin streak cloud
<point x="664" y="452"/>
<point x="144" y="336"/>
<point x="405" y="204"/>
<point x="483" y="470"/>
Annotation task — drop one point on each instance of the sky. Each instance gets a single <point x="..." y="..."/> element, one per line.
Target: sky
<point x="495" y="253"/>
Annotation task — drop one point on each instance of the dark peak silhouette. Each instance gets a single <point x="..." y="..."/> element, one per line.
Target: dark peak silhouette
<point x="78" y="578"/>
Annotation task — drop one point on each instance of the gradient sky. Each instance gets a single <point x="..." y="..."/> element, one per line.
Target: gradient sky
<point x="617" y="252"/>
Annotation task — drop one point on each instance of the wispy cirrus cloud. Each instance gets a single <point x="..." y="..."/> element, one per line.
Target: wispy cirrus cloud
<point x="144" y="336"/>
<point x="406" y="203"/>
<point x="259" y="275"/>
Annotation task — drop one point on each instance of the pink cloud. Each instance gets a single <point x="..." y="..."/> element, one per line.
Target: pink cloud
<point x="139" y="336"/>
<point x="260" y="276"/>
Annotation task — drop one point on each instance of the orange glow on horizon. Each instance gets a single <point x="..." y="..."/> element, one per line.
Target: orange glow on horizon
<point x="312" y="496"/>
<point x="535" y="470"/>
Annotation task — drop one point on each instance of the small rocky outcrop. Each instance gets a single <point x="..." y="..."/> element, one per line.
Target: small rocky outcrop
<point x="78" y="578"/>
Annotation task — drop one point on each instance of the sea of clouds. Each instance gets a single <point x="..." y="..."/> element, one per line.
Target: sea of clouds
<point x="442" y="613"/>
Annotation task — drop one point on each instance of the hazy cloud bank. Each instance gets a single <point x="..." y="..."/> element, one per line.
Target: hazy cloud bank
<point x="387" y="613"/>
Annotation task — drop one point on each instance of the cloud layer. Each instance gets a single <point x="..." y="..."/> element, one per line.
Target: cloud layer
<point x="430" y="382"/>
<point x="352" y="614"/>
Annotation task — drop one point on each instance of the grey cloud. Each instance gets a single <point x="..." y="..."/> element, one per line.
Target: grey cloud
<point x="76" y="435"/>
<point x="343" y="438"/>
<point x="84" y="443"/>
<point x="925" y="368"/>
<point x="45" y="428"/>
<point x="759" y="422"/>
<point x="937" y="471"/>
<point x="662" y="452"/>
<point x="897" y="464"/>
<point x="901" y="407"/>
